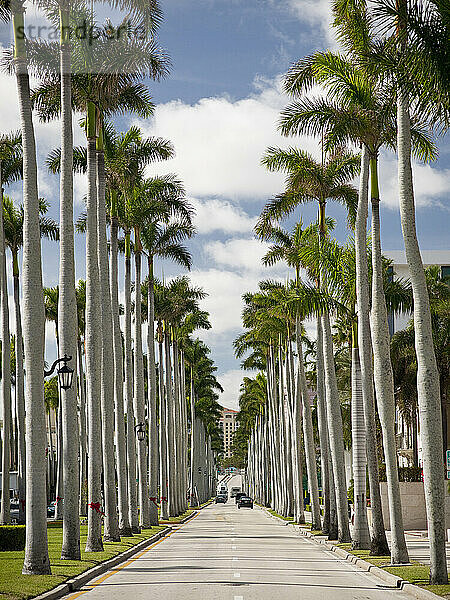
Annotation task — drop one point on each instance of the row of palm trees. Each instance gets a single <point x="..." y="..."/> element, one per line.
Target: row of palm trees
<point x="377" y="94"/>
<point x="96" y="443"/>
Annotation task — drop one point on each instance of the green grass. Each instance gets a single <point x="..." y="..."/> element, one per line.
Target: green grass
<point x="275" y="514"/>
<point x="15" y="586"/>
<point x="417" y="573"/>
<point x="179" y="518"/>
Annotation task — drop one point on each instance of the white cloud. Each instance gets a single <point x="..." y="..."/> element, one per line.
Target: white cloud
<point x="224" y="303"/>
<point x="315" y="13"/>
<point x="430" y="184"/>
<point x="239" y="253"/>
<point x="219" y="215"/>
<point x="231" y="382"/>
<point x="219" y="142"/>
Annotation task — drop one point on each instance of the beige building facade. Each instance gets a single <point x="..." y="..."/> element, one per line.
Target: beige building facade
<point x="228" y="424"/>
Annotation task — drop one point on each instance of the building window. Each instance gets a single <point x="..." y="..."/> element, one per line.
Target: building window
<point x="445" y="273"/>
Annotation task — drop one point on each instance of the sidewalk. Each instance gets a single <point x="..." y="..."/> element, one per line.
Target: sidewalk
<point x="417" y="543"/>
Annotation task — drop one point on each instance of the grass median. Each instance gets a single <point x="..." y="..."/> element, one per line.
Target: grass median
<point x="15" y="586"/>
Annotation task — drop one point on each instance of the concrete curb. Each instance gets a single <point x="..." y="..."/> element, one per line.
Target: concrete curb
<point x="411" y="589"/>
<point x="77" y="582"/>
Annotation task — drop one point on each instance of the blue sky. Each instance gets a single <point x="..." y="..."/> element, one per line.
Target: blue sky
<point x="220" y="107"/>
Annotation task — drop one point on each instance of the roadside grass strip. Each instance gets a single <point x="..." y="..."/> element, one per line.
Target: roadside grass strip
<point x="15" y="586"/>
<point x="417" y="573"/>
<point x="179" y="519"/>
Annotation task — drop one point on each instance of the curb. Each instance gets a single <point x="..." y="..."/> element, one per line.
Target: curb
<point x="363" y="565"/>
<point x="77" y="582"/>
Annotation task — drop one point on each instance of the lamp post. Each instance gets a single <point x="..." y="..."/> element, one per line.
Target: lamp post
<point x="65" y="373"/>
<point x="140" y="431"/>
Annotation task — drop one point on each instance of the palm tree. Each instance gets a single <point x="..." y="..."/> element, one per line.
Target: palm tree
<point x="36" y="552"/>
<point x="13" y="224"/>
<point x="164" y="242"/>
<point x="308" y="180"/>
<point x="286" y="247"/>
<point x="10" y="170"/>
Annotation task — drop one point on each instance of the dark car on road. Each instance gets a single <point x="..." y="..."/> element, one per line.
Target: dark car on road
<point x="239" y="495"/>
<point x="221" y="499"/>
<point x="245" y="501"/>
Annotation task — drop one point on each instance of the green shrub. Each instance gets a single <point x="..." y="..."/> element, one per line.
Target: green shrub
<point x="12" y="537"/>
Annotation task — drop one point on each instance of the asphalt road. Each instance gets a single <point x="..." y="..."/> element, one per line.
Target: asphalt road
<point x="230" y="554"/>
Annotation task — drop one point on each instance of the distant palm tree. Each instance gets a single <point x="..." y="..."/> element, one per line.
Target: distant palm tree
<point x="10" y="170"/>
<point x="13" y="224"/>
<point x="306" y="181"/>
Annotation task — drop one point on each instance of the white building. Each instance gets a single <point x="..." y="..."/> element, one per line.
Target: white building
<point x="228" y="424"/>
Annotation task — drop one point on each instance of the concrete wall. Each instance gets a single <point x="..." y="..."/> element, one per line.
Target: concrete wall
<point x="413" y="505"/>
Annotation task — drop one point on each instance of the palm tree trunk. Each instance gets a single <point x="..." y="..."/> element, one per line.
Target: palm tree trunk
<point x="163" y="486"/>
<point x="119" y="421"/>
<point x="427" y="372"/>
<point x="19" y="389"/>
<point x="6" y="372"/>
<point x="111" y="522"/>
<point x="152" y="399"/>
<point x="327" y="491"/>
<point x="139" y="402"/>
<point x="169" y="425"/>
<point x="308" y="433"/>
<point x="131" y="432"/>
<point x="384" y="381"/>
<point x="361" y="537"/>
<point x="379" y="545"/>
<point x="36" y="551"/>
<point x="93" y="349"/>
<point x="59" y="506"/>
<point x="334" y="418"/>
<point x="67" y="313"/>
<point x="82" y="431"/>
<point x="193" y="501"/>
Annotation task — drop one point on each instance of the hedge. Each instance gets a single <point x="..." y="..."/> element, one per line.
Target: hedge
<point x="12" y="537"/>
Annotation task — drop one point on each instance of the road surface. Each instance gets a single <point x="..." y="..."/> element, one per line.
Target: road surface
<point x="230" y="554"/>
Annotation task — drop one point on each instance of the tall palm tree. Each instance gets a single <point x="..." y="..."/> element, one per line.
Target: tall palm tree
<point x="287" y="247"/>
<point x="164" y="242"/>
<point x="36" y="552"/>
<point x="308" y="180"/>
<point x="10" y="170"/>
<point x="13" y="224"/>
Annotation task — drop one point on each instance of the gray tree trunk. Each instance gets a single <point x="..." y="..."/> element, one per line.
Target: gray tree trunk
<point x="361" y="537"/>
<point x="6" y="372"/>
<point x="139" y="401"/>
<point x="153" y="447"/>
<point x="68" y="322"/>
<point x="308" y="432"/>
<point x="36" y="551"/>
<point x="93" y="360"/>
<point x="20" y="397"/>
<point x="334" y="419"/>
<point x="427" y="373"/>
<point x="131" y="433"/>
<point x="119" y="416"/>
<point x="82" y="430"/>
<point x="379" y="545"/>
<point x="384" y="387"/>
<point x="110" y="522"/>
<point x="163" y="486"/>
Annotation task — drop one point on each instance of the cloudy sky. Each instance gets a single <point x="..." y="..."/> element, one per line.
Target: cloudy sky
<point x="220" y="108"/>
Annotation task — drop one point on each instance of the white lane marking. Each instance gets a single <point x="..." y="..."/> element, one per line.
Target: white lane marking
<point x="239" y="598"/>
<point x="237" y="574"/>
<point x="234" y="547"/>
<point x="235" y="558"/>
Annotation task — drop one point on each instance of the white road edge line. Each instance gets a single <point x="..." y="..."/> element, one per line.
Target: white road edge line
<point x="237" y="574"/>
<point x="239" y="598"/>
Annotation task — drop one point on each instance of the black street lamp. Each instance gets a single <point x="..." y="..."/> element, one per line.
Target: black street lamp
<point x="65" y="373"/>
<point x="140" y="431"/>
